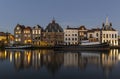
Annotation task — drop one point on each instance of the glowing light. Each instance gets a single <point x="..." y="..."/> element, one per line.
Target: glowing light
<point x="10" y="57"/>
<point x="119" y="57"/>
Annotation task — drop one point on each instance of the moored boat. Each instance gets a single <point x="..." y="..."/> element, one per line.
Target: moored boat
<point x="18" y="47"/>
<point x="88" y="46"/>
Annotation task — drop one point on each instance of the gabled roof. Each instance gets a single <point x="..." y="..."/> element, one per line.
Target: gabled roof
<point x="80" y="28"/>
<point x="37" y="26"/>
<point x="27" y="28"/>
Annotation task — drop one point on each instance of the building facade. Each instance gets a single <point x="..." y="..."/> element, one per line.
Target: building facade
<point x="82" y="33"/>
<point x="109" y="34"/>
<point x="36" y="35"/>
<point x="94" y="35"/>
<point x="27" y="35"/>
<point x="71" y="36"/>
<point x="18" y="34"/>
<point x="53" y="34"/>
<point x="6" y="38"/>
<point x="22" y="34"/>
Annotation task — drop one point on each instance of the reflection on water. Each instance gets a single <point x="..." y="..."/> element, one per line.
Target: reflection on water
<point x="54" y="61"/>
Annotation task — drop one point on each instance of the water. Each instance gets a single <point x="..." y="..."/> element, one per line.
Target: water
<point x="50" y="64"/>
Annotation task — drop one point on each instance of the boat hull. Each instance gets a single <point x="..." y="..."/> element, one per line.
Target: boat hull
<point x="18" y="47"/>
<point x="83" y="47"/>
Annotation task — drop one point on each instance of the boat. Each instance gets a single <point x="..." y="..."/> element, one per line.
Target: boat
<point x="18" y="47"/>
<point x="84" y="46"/>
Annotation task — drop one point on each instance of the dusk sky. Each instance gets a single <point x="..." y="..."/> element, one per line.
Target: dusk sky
<point x="91" y="13"/>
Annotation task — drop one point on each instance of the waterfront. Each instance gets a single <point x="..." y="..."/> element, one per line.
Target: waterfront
<point x="50" y="64"/>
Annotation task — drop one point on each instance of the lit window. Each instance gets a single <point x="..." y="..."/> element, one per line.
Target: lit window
<point x="18" y="28"/>
<point x="16" y="35"/>
<point x="33" y="32"/>
<point x="16" y="40"/>
<point x="36" y="32"/>
<point x="25" y="35"/>
<point x="28" y="35"/>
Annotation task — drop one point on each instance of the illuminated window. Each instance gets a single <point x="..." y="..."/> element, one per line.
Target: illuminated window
<point x="18" y="28"/>
<point x="28" y="35"/>
<point x="16" y="35"/>
<point x="33" y="32"/>
<point x="39" y="31"/>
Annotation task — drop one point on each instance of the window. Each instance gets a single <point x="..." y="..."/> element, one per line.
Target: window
<point x="75" y="39"/>
<point x="112" y="35"/>
<point x="106" y="35"/>
<point x="18" y="28"/>
<point x="75" y="34"/>
<point x="36" y="32"/>
<point x="66" y="39"/>
<point x="109" y="35"/>
<point x="115" y="35"/>
<point x="16" y="35"/>
<point x="72" y="39"/>
<point x="33" y="32"/>
<point x="25" y="35"/>
<point x="104" y="41"/>
<point x="91" y="36"/>
<point x="72" y="34"/>
<point x="97" y="34"/>
<point x="115" y="41"/>
<point x="28" y="35"/>
<point x="16" y="39"/>
<point x="103" y="35"/>
<point x="39" y="32"/>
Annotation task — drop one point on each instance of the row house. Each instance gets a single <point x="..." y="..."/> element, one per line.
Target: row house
<point x="82" y="33"/>
<point x="71" y="36"/>
<point x="37" y="35"/>
<point x="18" y="34"/>
<point x="23" y="35"/>
<point x="93" y="35"/>
<point x="27" y="35"/>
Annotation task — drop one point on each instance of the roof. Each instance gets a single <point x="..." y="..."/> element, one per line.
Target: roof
<point x="53" y="27"/>
<point x="2" y="34"/>
<point x="94" y="29"/>
<point x="72" y="28"/>
<point x="80" y="28"/>
<point x="21" y="26"/>
<point x="37" y="26"/>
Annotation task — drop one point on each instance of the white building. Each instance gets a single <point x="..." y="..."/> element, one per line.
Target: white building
<point x="109" y="34"/>
<point x="71" y="36"/>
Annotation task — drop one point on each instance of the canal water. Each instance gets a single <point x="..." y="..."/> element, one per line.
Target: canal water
<point x="50" y="64"/>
